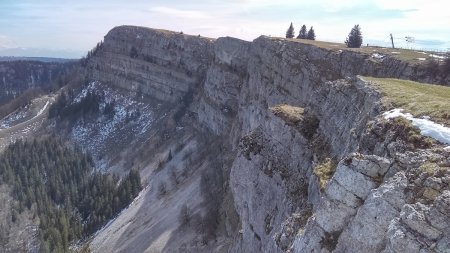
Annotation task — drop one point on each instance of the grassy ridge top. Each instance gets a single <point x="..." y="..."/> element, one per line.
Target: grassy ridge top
<point x="409" y="55"/>
<point x="419" y="99"/>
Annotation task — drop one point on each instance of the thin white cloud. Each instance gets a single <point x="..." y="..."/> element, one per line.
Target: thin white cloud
<point x="6" y="42"/>
<point x="178" y="13"/>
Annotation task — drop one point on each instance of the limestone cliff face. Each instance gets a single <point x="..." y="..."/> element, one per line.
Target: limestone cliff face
<point x="235" y="87"/>
<point x="162" y="64"/>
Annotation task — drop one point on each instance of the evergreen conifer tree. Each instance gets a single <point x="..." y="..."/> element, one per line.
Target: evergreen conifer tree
<point x="303" y="34"/>
<point x="354" y="39"/>
<point x="311" y="34"/>
<point x="290" y="32"/>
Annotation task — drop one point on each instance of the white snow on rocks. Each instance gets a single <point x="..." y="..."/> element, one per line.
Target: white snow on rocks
<point x="426" y="126"/>
<point x="378" y="56"/>
<point x="43" y="108"/>
<point x="98" y="135"/>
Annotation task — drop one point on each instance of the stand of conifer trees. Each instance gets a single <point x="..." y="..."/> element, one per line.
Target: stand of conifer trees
<point x="60" y="185"/>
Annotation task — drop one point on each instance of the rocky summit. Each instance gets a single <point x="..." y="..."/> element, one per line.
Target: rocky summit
<point x="274" y="145"/>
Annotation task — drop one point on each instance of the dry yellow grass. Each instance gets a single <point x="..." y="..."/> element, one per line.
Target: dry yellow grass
<point x="409" y="55"/>
<point x="324" y="171"/>
<point x="417" y="98"/>
<point x="291" y="114"/>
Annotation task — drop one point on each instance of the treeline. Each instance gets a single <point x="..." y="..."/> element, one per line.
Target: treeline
<point x="302" y="34"/>
<point x="91" y="53"/>
<point x="20" y="101"/>
<point x="353" y="40"/>
<point x="58" y="184"/>
<point x="64" y="108"/>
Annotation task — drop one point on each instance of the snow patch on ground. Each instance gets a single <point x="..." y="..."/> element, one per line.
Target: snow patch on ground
<point x="426" y="126"/>
<point x="437" y="56"/>
<point x="12" y="118"/>
<point x="130" y="121"/>
<point x="23" y="114"/>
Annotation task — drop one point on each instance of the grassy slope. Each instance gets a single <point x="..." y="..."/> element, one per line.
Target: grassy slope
<point x="417" y="98"/>
<point x="409" y="55"/>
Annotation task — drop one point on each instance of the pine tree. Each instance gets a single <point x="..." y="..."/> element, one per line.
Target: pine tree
<point x="303" y="34"/>
<point x="354" y="39"/>
<point x="311" y="34"/>
<point x="290" y="32"/>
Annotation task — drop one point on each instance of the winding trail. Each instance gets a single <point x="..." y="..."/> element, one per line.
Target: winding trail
<point x="25" y="128"/>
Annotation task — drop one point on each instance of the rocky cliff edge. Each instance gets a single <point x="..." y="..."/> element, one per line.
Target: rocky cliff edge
<point x="315" y="167"/>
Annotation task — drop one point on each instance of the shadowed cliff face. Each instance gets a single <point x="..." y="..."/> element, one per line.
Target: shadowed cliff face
<point x="232" y="90"/>
<point x="18" y="76"/>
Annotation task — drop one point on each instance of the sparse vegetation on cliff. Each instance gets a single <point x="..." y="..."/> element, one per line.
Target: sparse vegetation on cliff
<point x="291" y="114"/>
<point x="324" y="171"/>
<point x="404" y="130"/>
<point x="296" y="117"/>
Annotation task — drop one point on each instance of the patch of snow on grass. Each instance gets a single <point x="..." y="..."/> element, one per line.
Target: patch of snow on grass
<point x="426" y="126"/>
<point x="437" y="56"/>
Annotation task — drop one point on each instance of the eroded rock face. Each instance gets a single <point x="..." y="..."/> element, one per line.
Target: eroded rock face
<point x="378" y="199"/>
<point x="393" y="215"/>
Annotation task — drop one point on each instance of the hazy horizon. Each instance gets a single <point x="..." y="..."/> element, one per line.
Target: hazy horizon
<point x="68" y="29"/>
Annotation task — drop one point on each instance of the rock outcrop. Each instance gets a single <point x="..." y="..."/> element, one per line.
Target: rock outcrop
<point x="382" y="196"/>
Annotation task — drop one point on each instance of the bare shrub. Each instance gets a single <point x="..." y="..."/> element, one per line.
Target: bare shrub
<point x="162" y="190"/>
<point x="184" y="217"/>
<point x="173" y="176"/>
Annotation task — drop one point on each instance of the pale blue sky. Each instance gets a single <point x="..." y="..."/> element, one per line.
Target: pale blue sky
<point x="69" y="28"/>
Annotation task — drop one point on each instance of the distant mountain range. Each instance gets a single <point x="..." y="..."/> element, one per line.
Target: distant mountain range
<point x="40" y="52"/>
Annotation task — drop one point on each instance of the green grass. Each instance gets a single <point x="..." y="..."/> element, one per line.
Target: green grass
<point x="417" y="98"/>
